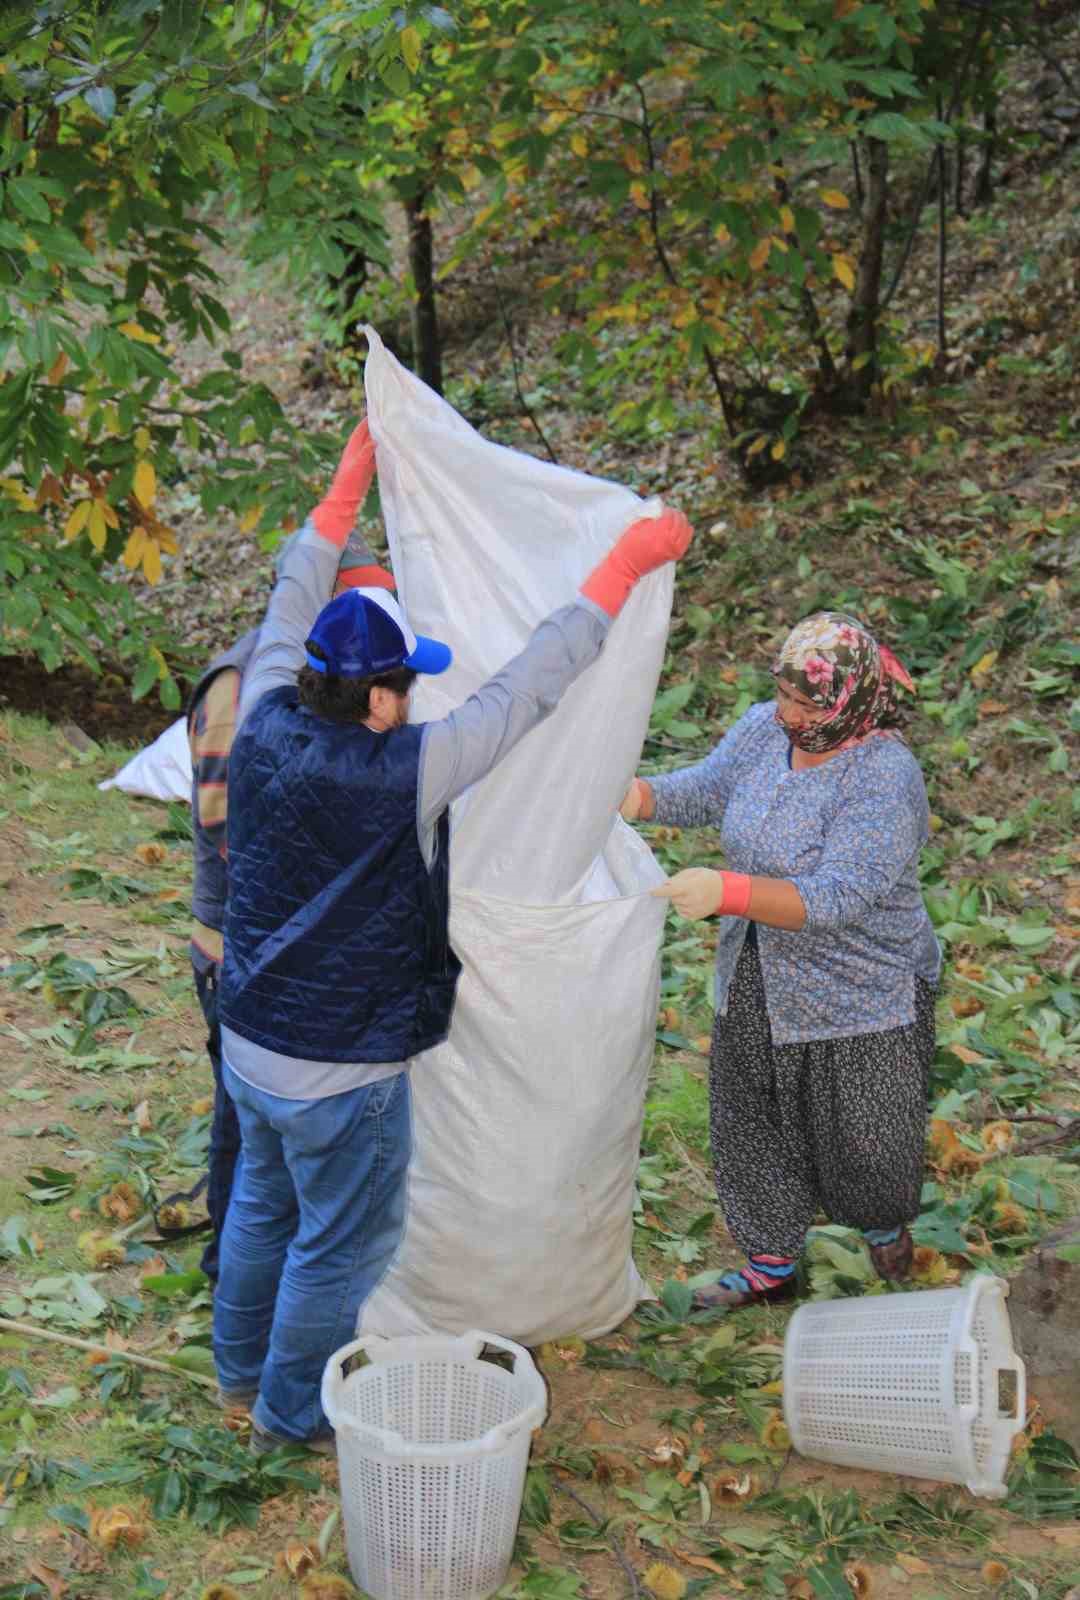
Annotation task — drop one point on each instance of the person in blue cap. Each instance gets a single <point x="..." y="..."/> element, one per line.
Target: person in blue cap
<point x="338" y="968"/>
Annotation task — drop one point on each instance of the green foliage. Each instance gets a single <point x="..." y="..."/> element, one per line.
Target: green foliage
<point x="115" y="125"/>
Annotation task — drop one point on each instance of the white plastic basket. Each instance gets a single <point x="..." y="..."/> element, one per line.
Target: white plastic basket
<point x="432" y="1444"/>
<point x="908" y="1383"/>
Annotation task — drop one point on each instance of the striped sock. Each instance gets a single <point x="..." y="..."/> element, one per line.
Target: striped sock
<point x="876" y="1236"/>
<point x="760" y="1274"/>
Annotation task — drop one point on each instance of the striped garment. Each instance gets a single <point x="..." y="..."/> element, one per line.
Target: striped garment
<point x="211" y="730"/>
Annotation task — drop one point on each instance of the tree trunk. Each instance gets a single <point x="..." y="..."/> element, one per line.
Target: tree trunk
<point x="347" y="286"/>
<point x="942" y="246"/>
<point x="984" y="178"/>
<point x="862" y="322"/>
<point x="427" y="350"/>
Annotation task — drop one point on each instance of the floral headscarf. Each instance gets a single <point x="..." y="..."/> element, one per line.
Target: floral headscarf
<point x="839" y="665"/>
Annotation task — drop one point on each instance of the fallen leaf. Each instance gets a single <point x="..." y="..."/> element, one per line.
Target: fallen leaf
<point x="141" y="1116"/>
<point x="151" y="854"/>
<point x="914" y="1565"/>
<point x="992" y="708"/>
<point x="994" y="1573"/>
<point x="1068" y="1538"/>
<point x="705" y="1562"/>
<point x="48" y="1576"/>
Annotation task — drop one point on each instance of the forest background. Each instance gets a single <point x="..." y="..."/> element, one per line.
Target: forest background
<point x="808" y="269"/>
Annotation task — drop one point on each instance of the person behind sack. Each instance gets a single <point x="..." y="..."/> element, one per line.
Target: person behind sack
<point x="826" y="961"/>
<point x="211" y="722"/>
<point x="338" y="968"/>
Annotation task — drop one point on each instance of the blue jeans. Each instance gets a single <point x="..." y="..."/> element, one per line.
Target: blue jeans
<point x="224" y="1130"/>
<point x="316" y="1216"/>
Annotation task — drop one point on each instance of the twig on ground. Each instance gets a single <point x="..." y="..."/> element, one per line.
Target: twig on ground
<point x="637" y="1588"/>
<point x="29" y="1331"/>
<point x="1064" y="1134"/>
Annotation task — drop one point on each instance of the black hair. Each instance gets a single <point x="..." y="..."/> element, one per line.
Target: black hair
<point x="346" y="699"/>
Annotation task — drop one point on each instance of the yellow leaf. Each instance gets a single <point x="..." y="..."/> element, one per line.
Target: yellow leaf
<point x="833" y="197"/>
<point x="632" y="157"/>
<point x="778" y="450"/>
<point x="760" y="254"/>
<point x="165" y="538"/>
<point x="141" y="335"/>
<point x="984" y="664"/>
<point x="721" y="234"/>
<point x="162" y="664"/>
<point x="410" y="48"/>
<point x="151" y="561"/>
<point x="98" y="528"/>
<point x="844" y="269"/>
<point x="145" y="484"/>
<point x="787" y="219"/>
<point x="758" y="444"/>
<point x="109" y="513"/>
<point x="640" y="196"/>
<point x="249" y="521"/>
<point x="579" y="144"/>
<point x="77" y="520"/>
<point x="134" y="548"/>
<point x="58" y="368"/>
<point x="142" y="440"/>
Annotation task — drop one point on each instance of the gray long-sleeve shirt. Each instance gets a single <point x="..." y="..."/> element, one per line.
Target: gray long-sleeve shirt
<point x="847" y="834"/>
<point x="455" y="752"/>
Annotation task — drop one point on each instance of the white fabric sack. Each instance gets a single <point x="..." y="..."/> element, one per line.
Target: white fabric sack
<point x="528" y="1118"/>
<point x="162" y="771"/>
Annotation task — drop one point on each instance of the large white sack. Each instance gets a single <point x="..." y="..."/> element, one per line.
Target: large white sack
<point x="162" y="771"/>
<point x="528" y="1118"/>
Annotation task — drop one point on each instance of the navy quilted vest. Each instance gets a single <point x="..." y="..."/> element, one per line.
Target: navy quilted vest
<point x="336" y="944"/>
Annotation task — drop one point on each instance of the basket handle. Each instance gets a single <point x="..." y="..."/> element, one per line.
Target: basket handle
<point x="495" y="1438"/>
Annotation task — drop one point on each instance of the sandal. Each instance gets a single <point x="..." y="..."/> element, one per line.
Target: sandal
<point x="892" y="1261"/>
<point x="728" y="1296"/>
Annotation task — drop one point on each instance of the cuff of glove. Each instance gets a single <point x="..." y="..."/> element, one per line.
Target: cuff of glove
<point x="609" y="585"/>
<point x="734" y="894"/>
<point x="373" y="577"/>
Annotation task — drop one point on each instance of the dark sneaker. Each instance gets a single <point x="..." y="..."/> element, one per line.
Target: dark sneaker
<point x="262" y="1441"/>
<point x="237" y="1399"/>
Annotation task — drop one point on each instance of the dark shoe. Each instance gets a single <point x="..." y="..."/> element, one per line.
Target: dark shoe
<point x="262" y="1441"/>
<point x="237" y="1399"/>
<point x="722" y="1297"/>
<point x="893" y="1261"/>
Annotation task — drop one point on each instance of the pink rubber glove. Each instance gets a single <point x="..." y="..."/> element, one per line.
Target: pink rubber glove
<point x="646" y="544"/>
<point x="335" y="514"/>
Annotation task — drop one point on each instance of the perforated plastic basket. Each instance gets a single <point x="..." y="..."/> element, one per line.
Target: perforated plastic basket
<point x="432" y="1444"/>
<point x="925" y="1384"/>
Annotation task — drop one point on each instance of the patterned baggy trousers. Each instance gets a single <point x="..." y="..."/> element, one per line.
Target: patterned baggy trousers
<point x="834" y="1125"/>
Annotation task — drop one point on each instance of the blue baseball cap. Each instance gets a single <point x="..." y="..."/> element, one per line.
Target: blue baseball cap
<point x="362" y="633"/>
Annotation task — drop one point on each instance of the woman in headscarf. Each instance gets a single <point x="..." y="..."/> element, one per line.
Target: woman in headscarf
<point x="826" y="962"/>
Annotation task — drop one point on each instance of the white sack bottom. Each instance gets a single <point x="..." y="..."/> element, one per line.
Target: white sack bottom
<point x="527" y="1121"/>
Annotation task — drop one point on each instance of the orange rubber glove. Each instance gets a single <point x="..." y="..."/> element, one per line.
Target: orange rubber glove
<point x="336" y="512"/>
<point x="645" y="545"/>
<point x="703" y="892"/>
